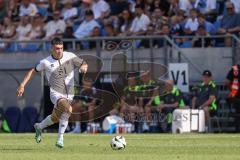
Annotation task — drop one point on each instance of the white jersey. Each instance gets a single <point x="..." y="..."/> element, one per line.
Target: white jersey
<point x="60" y="74"/>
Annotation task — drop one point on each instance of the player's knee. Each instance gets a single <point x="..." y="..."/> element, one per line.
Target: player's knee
<point x="55" y="117"/>
<point x="64" y="106"/>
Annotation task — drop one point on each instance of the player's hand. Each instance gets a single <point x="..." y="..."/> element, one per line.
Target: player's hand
<point x="84" y="68"/>
<point x="20" y="90"/>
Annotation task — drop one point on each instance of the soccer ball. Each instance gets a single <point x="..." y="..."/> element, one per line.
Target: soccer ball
<point x="118" y="143"/>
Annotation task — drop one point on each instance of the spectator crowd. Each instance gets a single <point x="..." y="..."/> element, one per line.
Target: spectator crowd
<point x="28" y="20"/>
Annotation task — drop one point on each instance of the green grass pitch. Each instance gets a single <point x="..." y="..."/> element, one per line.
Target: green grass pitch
<point x="139" y="147"/>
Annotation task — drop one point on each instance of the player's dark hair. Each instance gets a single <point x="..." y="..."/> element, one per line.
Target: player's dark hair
<point x="56" y="41"/>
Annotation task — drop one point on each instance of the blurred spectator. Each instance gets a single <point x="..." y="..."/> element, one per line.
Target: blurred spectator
<point x="95" y="33"/>
<point x="149" y="7"/>
<point x="192" y="22"/>
<point x="140" y="22"/>
<point x="110" y="32"/>
<point x="82" y="10"/>
<point x="53" y="5"/>
<point x="132" y="5"/>
<point x="109" y="29"/>
<point x="165" y="30"/>
<point x="86" y="27"/>
<point x="101" y="9"/>
<point x="158" y="19"/>
<point x="164" y="6"/>
<point x="179" y="5"/>
<point x="14" y="9"/>
<point x="55" y="26"/>
<point x="233" y="99"/>
<point x="27" y="8"/>
<point x="182" y="19"/>
<point x="150" y="32"/>
<point x="176" y="28"/>
<point x="117" y="6"/>
<point x="37" y="28"/>
<point x="230" y="23"/>
<point x="236" y="4"/>
<point x="201" y="42"/>
<point x="125" y="22"/>
<point x="42" y="6"/>
<point x="208" y="8"/>
<point x="174" y="8"/>
<point x="68" y="34"/>
<point x="24" y="28"/>
<point x="209" y="27"/>
<point x="8" y="29"/>
<point x="69" y="12"/>
<point x="3" y="10"/>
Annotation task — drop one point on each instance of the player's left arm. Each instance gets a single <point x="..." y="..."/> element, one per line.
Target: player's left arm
<point x="79" y="62"/>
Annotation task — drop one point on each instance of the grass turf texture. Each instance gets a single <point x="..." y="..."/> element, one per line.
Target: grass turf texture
<point x="139" y="147"/>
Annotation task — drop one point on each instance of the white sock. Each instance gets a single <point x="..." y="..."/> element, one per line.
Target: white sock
<point x="63" y="123"/>
<point x="46" y="122"/>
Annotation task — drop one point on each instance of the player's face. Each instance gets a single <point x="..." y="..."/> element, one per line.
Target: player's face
<point x="206" y="79"/>
<point x="58" y="51"/>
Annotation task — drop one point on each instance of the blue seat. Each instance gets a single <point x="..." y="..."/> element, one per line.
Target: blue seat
<point x="42" y="11"/>
<point x="28" y="118"/>
<point x="30" y="47"/>
<point x="13" y="115"/>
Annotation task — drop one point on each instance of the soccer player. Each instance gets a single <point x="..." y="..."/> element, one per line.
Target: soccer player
<point x="59" y="71"/>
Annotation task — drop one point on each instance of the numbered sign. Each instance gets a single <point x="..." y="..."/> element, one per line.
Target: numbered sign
<point x="178" y="72"/>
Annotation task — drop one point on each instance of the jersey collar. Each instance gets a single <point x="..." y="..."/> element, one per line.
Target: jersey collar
<point x="56" y="58"/>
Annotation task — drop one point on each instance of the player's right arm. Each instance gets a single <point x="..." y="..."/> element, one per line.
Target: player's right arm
<point x="39" y="67"/>
<point x="26" y="79"/>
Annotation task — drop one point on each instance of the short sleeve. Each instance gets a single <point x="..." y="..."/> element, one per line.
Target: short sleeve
<point x="39" y="67"/>
<point x="77" y="61"/>
<point x="213" y="91"/>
